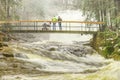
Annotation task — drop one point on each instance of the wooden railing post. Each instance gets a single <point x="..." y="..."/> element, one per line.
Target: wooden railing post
<point x="34" y="26"/>
<point x="69" y="27"/>
<point x="19" y="27"/>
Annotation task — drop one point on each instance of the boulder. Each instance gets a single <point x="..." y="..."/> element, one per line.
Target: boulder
<point x="20" y="55"/>
<point x="8" y="54"/>
<point x="3" y="65"/>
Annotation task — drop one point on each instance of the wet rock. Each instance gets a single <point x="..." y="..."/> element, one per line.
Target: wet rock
<point x="3" y="65"/>
<point x="28" y="66"/>
<point x="89" y="71"/>
<point x="79" y="51"/>
<point x="3" y="44"/>
<point x="20" y="55"/>
<point x="1" y="56"/>
<point x="89" y="50"/>
<point x="52" y="48"/>
<point x="16" y="65"/>
<point x="8" y="54"/>
<point x="18" y="78"/>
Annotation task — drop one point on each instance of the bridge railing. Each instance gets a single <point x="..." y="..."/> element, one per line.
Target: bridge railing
<point x="37" y="25"/>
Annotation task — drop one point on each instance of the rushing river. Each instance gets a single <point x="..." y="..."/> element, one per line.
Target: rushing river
<point x="64" y="55"/>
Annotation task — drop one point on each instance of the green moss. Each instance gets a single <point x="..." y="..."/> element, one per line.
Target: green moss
<point x="109" y="50"/>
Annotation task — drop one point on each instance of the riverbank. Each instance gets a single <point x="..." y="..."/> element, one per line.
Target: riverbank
<point x="107" y="44"/>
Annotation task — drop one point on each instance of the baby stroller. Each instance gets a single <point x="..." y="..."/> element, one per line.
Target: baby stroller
<point x="45" y="26"/>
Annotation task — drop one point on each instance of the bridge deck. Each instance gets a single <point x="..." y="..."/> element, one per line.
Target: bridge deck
<point x="52" y="31"/>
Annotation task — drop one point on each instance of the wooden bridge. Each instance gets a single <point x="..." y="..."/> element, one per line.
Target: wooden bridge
<point x="88" y="27"/>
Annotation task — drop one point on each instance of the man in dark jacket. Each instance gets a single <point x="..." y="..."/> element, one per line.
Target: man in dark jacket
<point x="59" y="22"/>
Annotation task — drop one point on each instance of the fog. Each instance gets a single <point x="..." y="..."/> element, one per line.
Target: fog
<point x="42" y="9"/>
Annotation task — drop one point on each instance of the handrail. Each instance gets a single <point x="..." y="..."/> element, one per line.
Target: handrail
<point x="36" y="26"/>
<point x="84" y="22"/>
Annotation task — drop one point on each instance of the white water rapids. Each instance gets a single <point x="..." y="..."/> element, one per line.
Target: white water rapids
<point x="65" y="55"/>
<point x="71" y="61"/>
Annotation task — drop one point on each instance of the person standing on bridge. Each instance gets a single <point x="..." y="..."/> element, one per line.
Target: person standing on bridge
<point x="54" y="20"/>
<point x="59" y="22"/>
